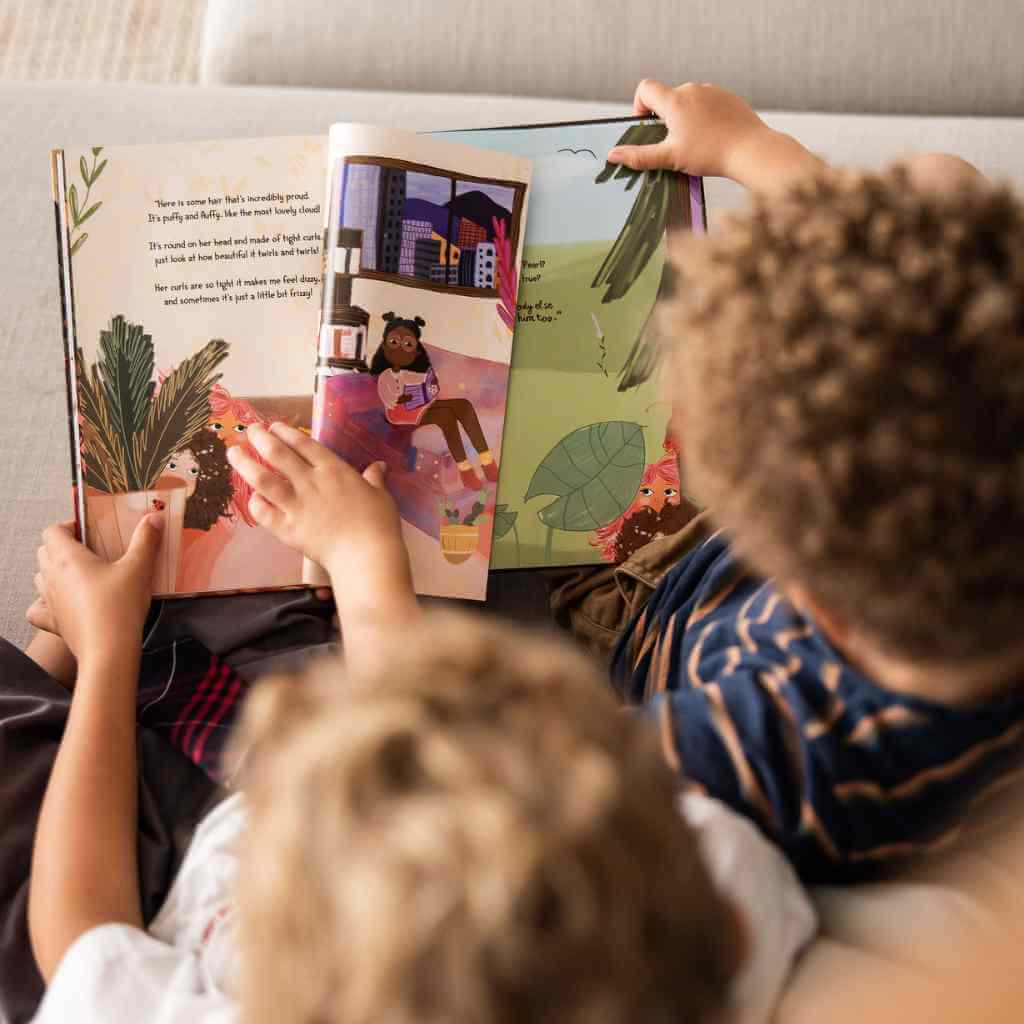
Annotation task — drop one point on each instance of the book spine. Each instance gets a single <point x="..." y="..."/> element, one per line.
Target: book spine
<point x="65" y="286"/>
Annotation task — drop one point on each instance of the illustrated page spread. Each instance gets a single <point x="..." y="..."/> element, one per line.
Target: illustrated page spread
<point x="422" y="257"/>
<point x="589" y="473"/>
<point x="191" y="285"/>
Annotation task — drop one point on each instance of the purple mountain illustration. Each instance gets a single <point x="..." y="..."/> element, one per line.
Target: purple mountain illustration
<point x="479" y="208"/>
<point x="437" y="216"/>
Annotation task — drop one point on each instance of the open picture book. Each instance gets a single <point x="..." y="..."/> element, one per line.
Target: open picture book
<point x="364" y="287"/>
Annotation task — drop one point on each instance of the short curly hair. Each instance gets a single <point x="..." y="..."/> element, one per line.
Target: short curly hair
<point x="468" y="830"/>
<point x="850" y="382"/>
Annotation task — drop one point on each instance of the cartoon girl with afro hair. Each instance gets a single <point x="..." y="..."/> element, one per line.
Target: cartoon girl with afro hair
<point x="409" y="390"/>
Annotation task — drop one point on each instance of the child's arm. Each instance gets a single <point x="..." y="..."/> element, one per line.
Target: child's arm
<point x="345" y="521"/>
<point x="48" y="650"/>
<point x="713" y="133"/>
<point x="84" y="868"/>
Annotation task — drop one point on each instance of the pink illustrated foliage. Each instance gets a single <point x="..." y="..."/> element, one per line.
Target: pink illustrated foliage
<point x="508" y="278"/>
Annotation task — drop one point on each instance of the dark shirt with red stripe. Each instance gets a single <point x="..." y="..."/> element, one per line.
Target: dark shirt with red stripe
<point x="758" y="708"/>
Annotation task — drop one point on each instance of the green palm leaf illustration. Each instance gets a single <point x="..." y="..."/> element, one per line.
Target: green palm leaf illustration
<point x="178" y="410"/>
<point x="126" y="369"/>
<point x="593" y="472"/>
<point x="105" y="462"/>
<point x="644" y="227"/>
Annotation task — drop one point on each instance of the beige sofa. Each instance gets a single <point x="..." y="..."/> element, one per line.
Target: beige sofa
<point x="903" y="76"/>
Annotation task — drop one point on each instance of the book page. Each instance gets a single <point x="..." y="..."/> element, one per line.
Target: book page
<point x="590" y="474"/>
<point x="196" y="272"/>
<point x="424" y="240"/>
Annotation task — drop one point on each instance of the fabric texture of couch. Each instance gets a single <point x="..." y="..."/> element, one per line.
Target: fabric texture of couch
<point x="879" y="56"/>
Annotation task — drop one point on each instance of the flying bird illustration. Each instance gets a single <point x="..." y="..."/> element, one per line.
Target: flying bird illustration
<point x="569" y="149"/>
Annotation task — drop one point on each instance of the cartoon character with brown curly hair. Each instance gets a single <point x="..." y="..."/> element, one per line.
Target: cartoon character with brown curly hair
<point x="204" y="467"/>
<point x="409" y="390"/>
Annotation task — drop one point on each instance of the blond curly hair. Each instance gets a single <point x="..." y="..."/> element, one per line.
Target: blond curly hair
<point x="850" y="381"/>
<point x="468" y="829"/>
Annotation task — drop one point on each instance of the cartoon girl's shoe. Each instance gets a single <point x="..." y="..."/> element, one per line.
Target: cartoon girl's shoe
<point x="489" y="466"/>
<point x="469" y="478"/>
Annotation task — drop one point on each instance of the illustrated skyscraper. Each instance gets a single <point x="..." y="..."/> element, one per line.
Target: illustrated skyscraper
<point x="392" y="206"/>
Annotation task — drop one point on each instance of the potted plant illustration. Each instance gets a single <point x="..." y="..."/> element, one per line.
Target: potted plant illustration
<point x="130" y="428"/>
<point x="460" y="534"/>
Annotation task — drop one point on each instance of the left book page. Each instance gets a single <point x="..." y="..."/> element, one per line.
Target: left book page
<point x="190" y="286"/>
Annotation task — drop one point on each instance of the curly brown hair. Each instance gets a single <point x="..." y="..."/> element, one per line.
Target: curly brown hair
<point x="214" y="489"/>
<point x="850" y="381"/>
<point x="468" y="829"/>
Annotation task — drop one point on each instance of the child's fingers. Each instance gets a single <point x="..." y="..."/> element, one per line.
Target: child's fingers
<point x="259" y="477"/>
<point x="302" y="444"/>
<point x="60" y="538"/>
<point x="375" y="473"/>
<point x="265" y="514"/>
<point x="38" y="614"/>
<point x="645" y="158"/>
<point x="144" y="545"/>
<point x="651" y="97"/>
<point x="281" y="455"/>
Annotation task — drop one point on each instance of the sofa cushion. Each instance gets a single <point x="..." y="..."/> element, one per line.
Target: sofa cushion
<point x="902" y="56"/>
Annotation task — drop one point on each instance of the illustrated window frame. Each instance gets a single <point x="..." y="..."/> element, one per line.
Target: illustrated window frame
<point x="518" y="189"/>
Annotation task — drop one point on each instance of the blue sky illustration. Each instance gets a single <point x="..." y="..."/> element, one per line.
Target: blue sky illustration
<point x="431" y="187"/>
<point x="565" y="204"/>
<point x="437" y="189"/>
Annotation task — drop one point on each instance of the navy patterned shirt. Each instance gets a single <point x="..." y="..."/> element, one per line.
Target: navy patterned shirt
<point x="756" y="707"/>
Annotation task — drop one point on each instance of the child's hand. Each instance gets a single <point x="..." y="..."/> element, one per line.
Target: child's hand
<point x="315" y="502"/>
<point x="706" y="126"/>
<point x="713" y="133"/>
<point x="98" y="607"/>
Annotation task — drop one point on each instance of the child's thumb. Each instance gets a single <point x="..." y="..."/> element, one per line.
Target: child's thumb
<point x="656" y="156"/>
<point x="145" y="542"/>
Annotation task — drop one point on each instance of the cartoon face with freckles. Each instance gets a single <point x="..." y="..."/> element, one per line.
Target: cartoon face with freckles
<point x="656" y="494"/>
<point x="185" y="466"/>
<point x="228" y="428"/>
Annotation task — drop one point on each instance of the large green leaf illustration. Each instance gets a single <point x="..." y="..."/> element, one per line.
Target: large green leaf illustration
<point x="594" y="473"/>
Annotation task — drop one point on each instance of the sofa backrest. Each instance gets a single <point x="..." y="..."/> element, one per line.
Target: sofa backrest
<point x="877" y="56"/>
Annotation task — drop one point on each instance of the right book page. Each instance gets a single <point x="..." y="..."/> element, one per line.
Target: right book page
<point x="589" y="474"/>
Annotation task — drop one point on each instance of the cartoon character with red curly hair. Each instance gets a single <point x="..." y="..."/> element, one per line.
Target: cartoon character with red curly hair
<point x="657" y="510"/>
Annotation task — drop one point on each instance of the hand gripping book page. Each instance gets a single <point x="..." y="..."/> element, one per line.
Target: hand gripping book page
<point x="190" y="285"/>
<point x="423" y="245"/>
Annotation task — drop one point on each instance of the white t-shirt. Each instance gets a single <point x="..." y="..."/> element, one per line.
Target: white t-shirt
<point x="184" y="969"/>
